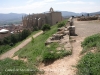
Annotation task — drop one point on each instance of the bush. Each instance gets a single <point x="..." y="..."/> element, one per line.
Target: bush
<point x="25" y="33"/>
<point x="14" y="39"/>
<point x="46" y="27"/>
<point x="61" y="24"/>
<point x="6" y="40"/>
<point x="4" y="48"/>
<point x="52" y="53"/>
<point x="89" y="64"/>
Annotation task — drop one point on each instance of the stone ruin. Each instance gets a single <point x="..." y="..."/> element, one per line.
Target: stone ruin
<point x="71" y="27"/>
<point x="89" y="18"/>
<point x="68" y="30"/>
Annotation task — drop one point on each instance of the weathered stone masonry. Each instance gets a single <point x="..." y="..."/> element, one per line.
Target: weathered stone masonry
<point x="37" y="20"/>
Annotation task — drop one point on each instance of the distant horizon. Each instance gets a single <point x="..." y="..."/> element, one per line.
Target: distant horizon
<point x="39" y="6"/>
<point x="48" y="11"/>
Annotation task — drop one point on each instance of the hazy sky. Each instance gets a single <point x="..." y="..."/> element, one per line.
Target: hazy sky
<point x="38" y="6"/>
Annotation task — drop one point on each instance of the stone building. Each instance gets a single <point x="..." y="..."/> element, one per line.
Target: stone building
<point x="37" y="20"/>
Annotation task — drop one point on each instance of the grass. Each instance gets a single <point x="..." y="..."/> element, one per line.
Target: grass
<point x="16" y="67"/>
<point x="90" y="62"/>
<point x="35" y="52"/>
<point x="5" y="48"/>
<point x="91" y="41"/>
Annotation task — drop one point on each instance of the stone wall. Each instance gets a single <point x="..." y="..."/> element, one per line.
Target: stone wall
<point x="38" y="20"/>
<point x="62" y="36"/>
<point x="56" y="17"/>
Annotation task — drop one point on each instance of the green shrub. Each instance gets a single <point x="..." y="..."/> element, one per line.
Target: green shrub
<point x="61" y="24"/>
<point x="48" y="56"/>
<point x="46" y="27"/>
<point x="4" y="48"/>
<point x="52" y="53"/>
<point x="89" y="64"/>
<point x="6" y="40"/>
<point x="25" y="33"/>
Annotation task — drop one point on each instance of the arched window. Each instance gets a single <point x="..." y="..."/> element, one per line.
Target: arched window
<point x="51" y="9"/>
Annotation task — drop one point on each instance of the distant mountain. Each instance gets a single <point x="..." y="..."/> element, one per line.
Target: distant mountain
<point x="68" y="14"/>
<point x="10" y="18"/>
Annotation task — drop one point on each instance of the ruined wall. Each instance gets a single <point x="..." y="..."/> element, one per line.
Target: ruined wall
<point x="56" y="17"/>
<point x="41" y="20"/>
<point x="48" y="18"/>
<point x="34" y="20"/>
<point x="38" y="20"/>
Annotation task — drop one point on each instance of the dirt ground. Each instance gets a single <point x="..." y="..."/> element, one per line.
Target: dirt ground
<point x="66" y="66"/>
<point x="11" y="52"/>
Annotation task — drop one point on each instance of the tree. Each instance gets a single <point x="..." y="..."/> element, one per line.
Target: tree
<point x="25" y="34"/>
<point x="14" y="39"/>
<point x="6" y="40"/>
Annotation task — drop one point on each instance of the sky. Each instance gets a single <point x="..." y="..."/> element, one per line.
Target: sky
<point x="39" y="6"/>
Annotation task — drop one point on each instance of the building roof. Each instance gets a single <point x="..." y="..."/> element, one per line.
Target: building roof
<point x="4" y="31"/>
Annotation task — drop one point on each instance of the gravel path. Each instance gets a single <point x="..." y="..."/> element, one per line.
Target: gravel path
<point x="66" y="66"/>
<point x="11" y="52"/>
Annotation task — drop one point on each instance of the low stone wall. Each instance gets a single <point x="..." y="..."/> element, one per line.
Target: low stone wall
<point x="62" y="35"/>
<point x="69" y="30"/>
<point x="87" y="18"/>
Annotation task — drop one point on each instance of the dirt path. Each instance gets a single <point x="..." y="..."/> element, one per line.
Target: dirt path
<point x="11" y="52"/>
<point x="66" y="66"/>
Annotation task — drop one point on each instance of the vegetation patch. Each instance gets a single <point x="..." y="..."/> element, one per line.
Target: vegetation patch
<point x="89" y="64"/>
<point x="16" y="67"/>
<point x="34" y="51"/>
<point x="91" y="41"/>
<point x="51" y="53"/>
<point x="46" y="27"/>
<point x="61" y="24"/>
<point x="13" y="40"/>
<point x="37" y="52"/>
